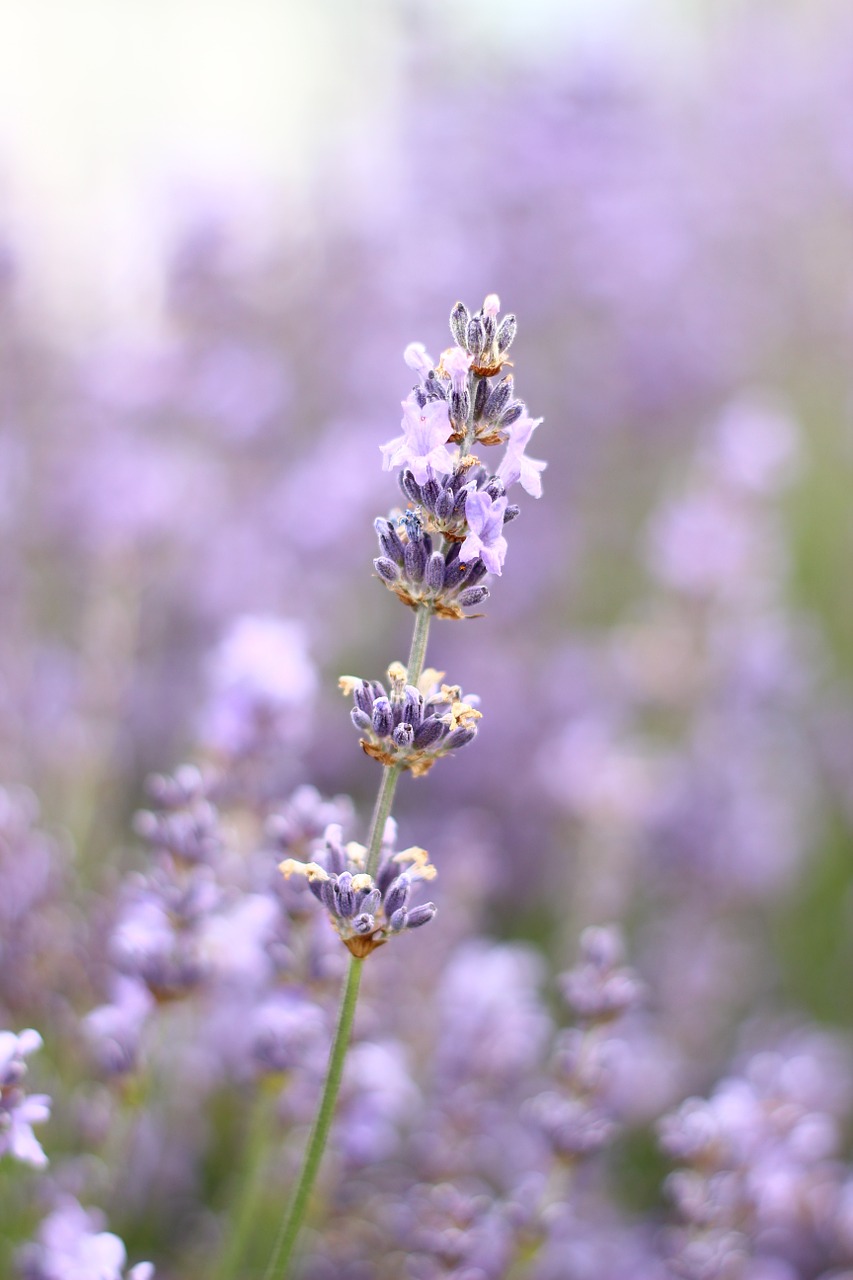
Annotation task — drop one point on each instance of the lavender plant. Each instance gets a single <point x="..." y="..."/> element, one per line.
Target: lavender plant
<point x="434" y="555"/>
<point x="158" y="506"/>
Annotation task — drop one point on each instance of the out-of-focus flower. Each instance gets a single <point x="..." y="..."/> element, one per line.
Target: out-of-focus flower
<point x="759" y="1169"/>
<point x="72" y="1246"/>
<point x="18" y="1111"/>
<point x="261" y="677"/>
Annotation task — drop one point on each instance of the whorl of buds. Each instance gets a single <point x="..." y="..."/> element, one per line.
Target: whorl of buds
<point x="365" y="910"/>
<point x="410" y="726"/>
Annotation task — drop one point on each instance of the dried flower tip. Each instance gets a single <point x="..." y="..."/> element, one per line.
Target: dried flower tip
<point x="310" y="870"/>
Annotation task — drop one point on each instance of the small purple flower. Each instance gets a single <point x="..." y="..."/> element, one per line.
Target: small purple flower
<point x="516" y="465"/>
<point x="18" y="1113"/>
<point x="418" y="358"/>
<point x="455" y="363"/>
<point x="71" y="1247"/>
<point x="114" y="1030"/>
<point x="423" y="444"/>
<point x="485" y="516"/>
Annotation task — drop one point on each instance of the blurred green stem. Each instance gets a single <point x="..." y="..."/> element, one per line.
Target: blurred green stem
<point x="255" y="1161"/>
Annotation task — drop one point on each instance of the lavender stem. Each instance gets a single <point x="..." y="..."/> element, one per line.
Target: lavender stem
<point x="381" y="813"/>
<point x="291" y="1226"/>
<point x="292" y="1223"/>
<point x="417" y="652"/>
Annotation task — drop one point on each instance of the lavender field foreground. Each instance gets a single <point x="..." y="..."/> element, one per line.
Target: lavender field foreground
<point x="601" y="946"/>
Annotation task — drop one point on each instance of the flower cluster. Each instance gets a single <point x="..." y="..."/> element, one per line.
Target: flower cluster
<point x="366" y="910"/>
<point x="411" y="726"/>
<point x="420" y="574"/>
<point x="485" y="338"/>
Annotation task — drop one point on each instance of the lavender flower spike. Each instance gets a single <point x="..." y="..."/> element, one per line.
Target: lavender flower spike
<point x="485" y="516"/>
<point x="423" y="444"/>
<point x="18" y="1113"/>
<point x="515" y="465"/>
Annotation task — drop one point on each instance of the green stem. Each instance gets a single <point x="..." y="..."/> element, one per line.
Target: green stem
<point x="290" y="1227"/>
<point x="381" y="813"/>
<point x="292" y="1223"/>
<point x="419" y="644"/>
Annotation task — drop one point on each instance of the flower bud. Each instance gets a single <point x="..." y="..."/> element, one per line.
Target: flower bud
<point x="410" y="486"/>
<point x="507" y="330"/>
<point x="361" y="720"/>
<point x="481" y="397"/>
<point x="416" y="558"/>
<point x="397" y="895"/>
<point x="499" y="398"/>
<point x="429" y="494"/>
<point x="434" y="575"/>
<point x="511" y="414"/>
<point x="444" y="504"/>
<point x="345" y="895"/>
<point x="459" y="318"/>
<point x="386" y="568"/>
<point x="364" y="696"/>
<point x="460" y="406"/>
<point x="383" y="718"/>
<point x="475" y="337"/>
<point x="430" y="732"/>
<point x="389" y="541"/>
<point x="420" y="915"/>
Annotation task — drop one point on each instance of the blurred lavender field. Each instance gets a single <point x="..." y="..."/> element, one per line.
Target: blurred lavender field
<point x="666" y="750"/>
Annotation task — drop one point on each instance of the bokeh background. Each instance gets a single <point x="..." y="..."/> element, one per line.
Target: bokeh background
<point x="219" y="226"/>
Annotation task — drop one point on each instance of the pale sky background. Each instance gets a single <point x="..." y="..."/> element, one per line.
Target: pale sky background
<point x="106" y="104"/>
